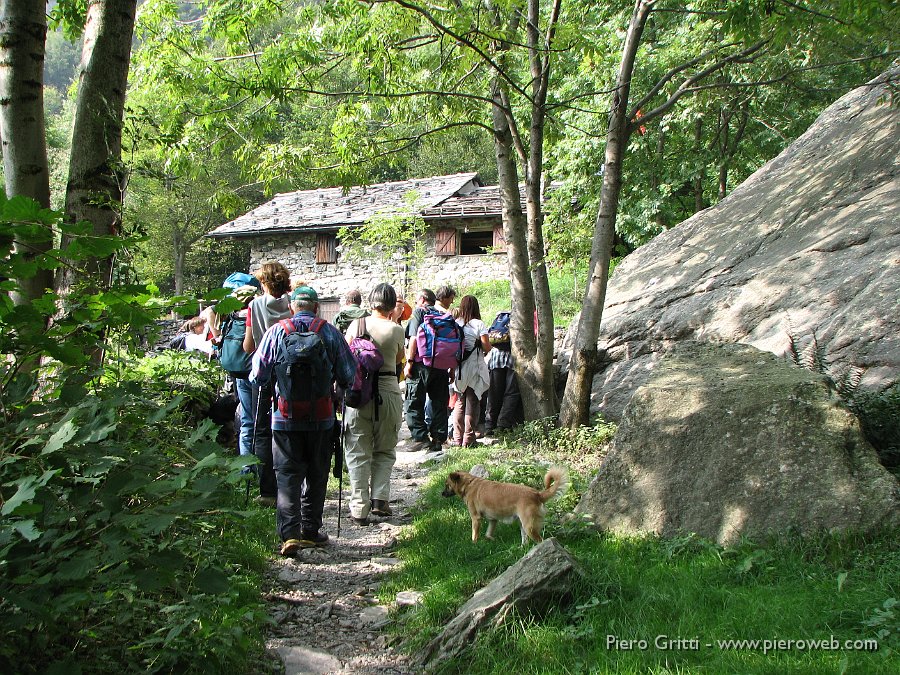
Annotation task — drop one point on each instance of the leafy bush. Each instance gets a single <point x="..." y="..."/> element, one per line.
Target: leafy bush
<point x="879" y="416"/>
<point x="545" y="435"/>
<point x="117" y="538"/>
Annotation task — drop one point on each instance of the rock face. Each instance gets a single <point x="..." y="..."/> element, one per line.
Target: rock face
<point x="808" y="244"/>
<point x="729" y="441"/>
<point x="543" y="576"/>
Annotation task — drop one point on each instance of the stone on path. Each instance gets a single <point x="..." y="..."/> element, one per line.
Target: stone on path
<point x="299" y="660"/>
<point x="541" y="578"/>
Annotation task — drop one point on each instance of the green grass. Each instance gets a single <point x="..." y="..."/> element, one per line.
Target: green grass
<point x="566" y="289"/>
<point x="640" y="588"/>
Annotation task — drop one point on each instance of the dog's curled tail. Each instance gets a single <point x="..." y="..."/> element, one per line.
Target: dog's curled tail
<point x="555" y="481"/>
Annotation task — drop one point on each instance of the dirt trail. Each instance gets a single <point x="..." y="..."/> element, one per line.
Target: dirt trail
<point x="323" y="602"/>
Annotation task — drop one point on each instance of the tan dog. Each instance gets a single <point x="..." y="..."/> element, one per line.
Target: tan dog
<point x="495" y="501"/>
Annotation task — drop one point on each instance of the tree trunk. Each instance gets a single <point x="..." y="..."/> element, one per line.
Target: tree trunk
<point x="582" y="367"/>
<point x="515" y="229"/>
<point x="699" y="203"/>
<point x="23" y="33"/>
<point x="180" y="254"/>
<point x="96" y="180"/>
<point x="730" y="147"/>
<point x="538" y="373"/>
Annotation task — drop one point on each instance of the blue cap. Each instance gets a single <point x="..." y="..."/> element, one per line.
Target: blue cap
<point x="238" y="279"/>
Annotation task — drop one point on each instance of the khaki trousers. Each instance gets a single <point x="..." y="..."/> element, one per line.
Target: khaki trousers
<point x="370" y="447"/>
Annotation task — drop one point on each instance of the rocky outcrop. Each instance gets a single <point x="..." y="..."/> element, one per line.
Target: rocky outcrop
<point x="808" y="245"/>
<point x="729" y="441"/>
<point x="541" y="578"/>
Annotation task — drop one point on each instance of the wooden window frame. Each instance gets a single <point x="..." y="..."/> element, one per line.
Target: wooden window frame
<point x="326" y="248"/>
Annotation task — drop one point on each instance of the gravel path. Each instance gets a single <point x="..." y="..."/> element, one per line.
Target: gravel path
<point x="323" y="602"/>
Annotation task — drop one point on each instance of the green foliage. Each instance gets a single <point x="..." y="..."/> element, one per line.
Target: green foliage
<point x="122" y="546"/>
<point x="879" y="415"/>
<point x="545" y="435"/>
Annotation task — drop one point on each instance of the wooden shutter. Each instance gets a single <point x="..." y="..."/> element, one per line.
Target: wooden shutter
<point x="499" y="239"/>
<point x="325" y="248"/>
<point x="445" y="243"/>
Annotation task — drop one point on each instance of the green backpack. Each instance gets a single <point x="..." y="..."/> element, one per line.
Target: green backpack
<point x="232" y="356"/>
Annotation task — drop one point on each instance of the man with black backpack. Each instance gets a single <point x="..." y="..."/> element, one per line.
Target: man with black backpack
<point x="306" y="356"/>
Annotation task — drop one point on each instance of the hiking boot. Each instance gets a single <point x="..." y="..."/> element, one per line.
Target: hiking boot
<point x="310" y="539"/>
<point x="419" y="446"/>
<point x="380" y="508"/>
<point x="290" y="547"/>
<point x="362" y="522"/>
<point x="435" y="446"/>
<point x="268" y="502"/>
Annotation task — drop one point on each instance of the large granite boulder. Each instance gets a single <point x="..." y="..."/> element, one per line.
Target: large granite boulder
<point x="728" y="441"/>
<point x="809" y="244"/>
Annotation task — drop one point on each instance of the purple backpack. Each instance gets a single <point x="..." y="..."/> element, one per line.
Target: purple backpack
<point x="368" y="362"/>
<point x="439" y="341"/>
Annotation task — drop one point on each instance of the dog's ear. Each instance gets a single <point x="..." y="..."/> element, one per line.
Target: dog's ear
<point x="454" y="477"/>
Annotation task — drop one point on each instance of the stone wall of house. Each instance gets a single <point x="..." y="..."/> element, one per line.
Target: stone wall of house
<point x="297" y="252"/>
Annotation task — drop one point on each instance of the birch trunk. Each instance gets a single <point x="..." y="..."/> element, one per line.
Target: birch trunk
<point x="96" y="180"/>
<point x="23" y="33"/>
<point x="577" y="398"/>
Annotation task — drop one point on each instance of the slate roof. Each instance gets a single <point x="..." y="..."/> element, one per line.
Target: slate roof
<point x="481" y="202"/>
<point x="331" y="208"/>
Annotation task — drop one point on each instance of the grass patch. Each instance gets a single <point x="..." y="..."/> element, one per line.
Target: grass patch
<point x="681" y="596"/>
<point x="566" y="290"/>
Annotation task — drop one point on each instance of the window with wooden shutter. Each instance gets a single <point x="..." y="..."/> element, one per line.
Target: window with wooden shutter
<point x="325" y="248"/>
<point x="499" y="239"/>
<point x="445" y="244"/>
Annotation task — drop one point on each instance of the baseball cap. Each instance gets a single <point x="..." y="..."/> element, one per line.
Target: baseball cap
<point x="304" y="293"/>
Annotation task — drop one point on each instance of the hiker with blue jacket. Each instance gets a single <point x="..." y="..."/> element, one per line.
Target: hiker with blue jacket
<point x="305" y="356"/>
<point x="424" y="381"/>
<point x="371" y="430"/>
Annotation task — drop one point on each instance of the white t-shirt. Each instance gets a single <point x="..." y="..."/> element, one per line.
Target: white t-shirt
<point x="472" y="333"/>
<point x="194" y="342"/>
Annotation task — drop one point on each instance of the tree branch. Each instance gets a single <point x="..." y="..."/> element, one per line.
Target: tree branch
<point x="686" y="86"/>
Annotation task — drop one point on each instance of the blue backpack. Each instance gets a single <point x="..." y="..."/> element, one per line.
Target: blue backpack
<point x="303" y="373"/>
<point x="439" y="341"/>
<point x="498" y="333"/>
<point x="232" y="357"/>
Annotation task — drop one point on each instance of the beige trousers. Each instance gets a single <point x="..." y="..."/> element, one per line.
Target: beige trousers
<point x="370" y="447"/>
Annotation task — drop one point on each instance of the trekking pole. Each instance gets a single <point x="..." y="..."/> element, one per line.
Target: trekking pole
<point x="339" y="463"/>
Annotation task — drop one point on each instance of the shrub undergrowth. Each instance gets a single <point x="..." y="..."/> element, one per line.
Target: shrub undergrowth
<point x="123" y="543"/>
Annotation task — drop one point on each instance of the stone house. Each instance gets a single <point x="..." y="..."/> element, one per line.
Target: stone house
<point x="463" y="241"/>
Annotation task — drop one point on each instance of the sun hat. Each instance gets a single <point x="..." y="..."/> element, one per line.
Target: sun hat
<point x="245" y="293"/>
<point x="304" y="293"/>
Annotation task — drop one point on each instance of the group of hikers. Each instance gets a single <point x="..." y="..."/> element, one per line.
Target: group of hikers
<point x="307" y="388"/>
